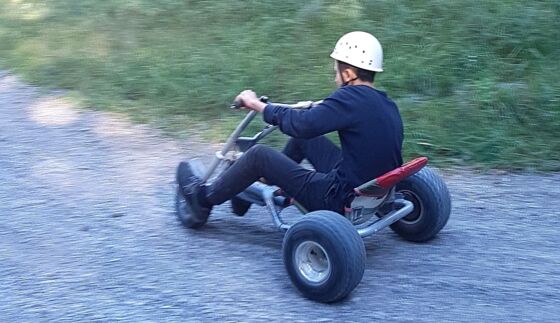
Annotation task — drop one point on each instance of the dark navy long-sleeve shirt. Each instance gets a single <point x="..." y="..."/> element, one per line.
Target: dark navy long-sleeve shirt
<point x="368" y="124"/>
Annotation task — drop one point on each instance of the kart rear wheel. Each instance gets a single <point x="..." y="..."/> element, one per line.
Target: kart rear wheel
<point x="184" y="214"/>
<point x="324" y="256"/>
<point x="432" y="206"/>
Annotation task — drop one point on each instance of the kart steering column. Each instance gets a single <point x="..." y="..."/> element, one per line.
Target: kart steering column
<point x="229" y="143"/>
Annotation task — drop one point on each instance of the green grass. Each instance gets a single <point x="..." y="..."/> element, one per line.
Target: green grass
<point x="477" y="82"/>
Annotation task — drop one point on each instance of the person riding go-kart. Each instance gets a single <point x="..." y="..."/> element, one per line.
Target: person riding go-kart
<point x="368" y="124"/>
<point x="370" y="130"/>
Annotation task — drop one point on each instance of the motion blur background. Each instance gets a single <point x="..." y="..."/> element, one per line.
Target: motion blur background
<point x="477" y="82"/>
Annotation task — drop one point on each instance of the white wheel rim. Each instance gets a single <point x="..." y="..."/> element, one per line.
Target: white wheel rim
<point x="418" y="207"/>
<point x="312" y="262"/>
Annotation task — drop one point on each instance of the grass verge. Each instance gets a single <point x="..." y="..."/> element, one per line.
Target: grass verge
<point x="477" y="82"/>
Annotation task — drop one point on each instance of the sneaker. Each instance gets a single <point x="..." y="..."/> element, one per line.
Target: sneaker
<point x="185" y="174"/>
<point x="239" y="206"/>
<point x="190" y="186"/>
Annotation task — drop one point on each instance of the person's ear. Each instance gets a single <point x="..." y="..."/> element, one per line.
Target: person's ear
<point x="348" y="74"/>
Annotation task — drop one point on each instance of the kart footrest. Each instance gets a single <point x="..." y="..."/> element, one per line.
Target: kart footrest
<point x="254" y="194"/>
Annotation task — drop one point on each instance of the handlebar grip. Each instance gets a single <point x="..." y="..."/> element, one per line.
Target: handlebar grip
<point x="236" y="105"/>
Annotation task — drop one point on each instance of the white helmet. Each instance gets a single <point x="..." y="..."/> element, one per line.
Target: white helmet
<point x="359" y="49"/>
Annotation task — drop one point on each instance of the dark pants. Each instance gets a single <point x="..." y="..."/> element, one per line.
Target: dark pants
<point x="314" y="189"/>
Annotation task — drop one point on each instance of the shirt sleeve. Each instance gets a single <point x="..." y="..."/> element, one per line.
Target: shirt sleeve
<point x="331" y="115"/>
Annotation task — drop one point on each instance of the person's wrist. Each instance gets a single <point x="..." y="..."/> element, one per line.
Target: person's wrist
<point x="258" y="106"/>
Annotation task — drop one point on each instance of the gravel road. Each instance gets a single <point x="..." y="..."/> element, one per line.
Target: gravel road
<point x="88" y="233"/>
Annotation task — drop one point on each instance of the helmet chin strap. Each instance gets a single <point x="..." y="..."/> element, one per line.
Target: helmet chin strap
<point x="348" y="82"/>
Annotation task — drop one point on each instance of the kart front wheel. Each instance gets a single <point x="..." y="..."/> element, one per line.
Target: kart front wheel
<point x="432" y="206"/>
<point x="324" y="256"/>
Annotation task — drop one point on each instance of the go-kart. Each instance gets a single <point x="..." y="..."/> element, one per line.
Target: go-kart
<point x="323" y="251"/>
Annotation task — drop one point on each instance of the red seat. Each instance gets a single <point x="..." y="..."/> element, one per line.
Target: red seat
<point x="382" y="184"/>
